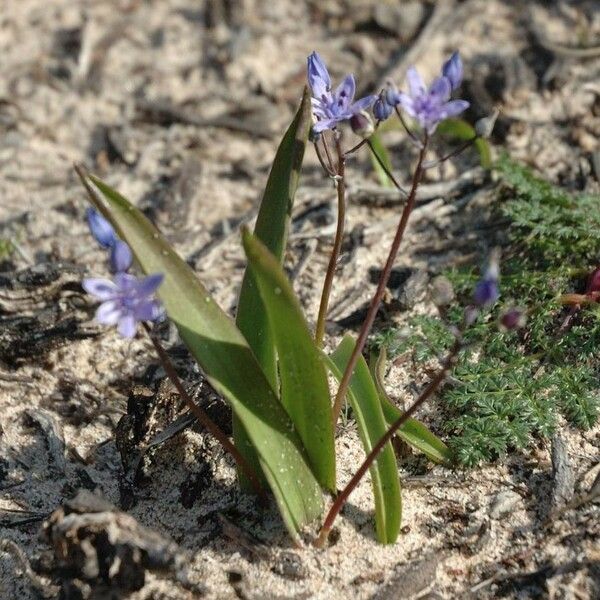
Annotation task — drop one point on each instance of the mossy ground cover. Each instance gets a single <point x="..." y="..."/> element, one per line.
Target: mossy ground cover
<point x="511" y="388"/>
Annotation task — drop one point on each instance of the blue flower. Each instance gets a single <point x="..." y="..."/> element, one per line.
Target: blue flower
<point x="126" y="301"/>
<point x="100" y="228"/>
<point x="382" y="108"/>
<point x="453" y="70"/>
<point x="332" y="107"/>
<point x="120" y="257"/>
<point x="104" y="233"/>
<point x="487" y="290"/>
<point x="430" y="106"/>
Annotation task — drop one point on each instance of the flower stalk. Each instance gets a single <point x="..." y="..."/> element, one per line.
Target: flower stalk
<point x="201" y="415"/>
<point x="383" y="280"/>
<point x="340" y="184"/>
<point x="341" y="498"/>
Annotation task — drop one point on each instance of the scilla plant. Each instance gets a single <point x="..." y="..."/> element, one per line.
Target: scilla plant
<point x="267" y="363"/>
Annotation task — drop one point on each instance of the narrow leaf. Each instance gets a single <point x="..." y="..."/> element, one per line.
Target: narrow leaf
<point x="365" y="403"/>
<point x="459" y="129"/>
<point x="383" y="154"/>
<point x="271" y="229"/>
<point x="272" y="224"/>
<point x="225" y="357"/>
<point x="304" y="386"/>
<point x="413" y="432"/>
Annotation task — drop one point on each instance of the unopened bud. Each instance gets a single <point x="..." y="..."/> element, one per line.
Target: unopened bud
<point x="485" y="126"/>
<point x="362" y="124"/>
<point x="513" y="318"/>
<point x="381" y="109"/>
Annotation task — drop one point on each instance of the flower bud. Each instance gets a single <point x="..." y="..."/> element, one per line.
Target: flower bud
<point x="381" y="109"/>
<point x="392" y="95"/>
<point x="487" y="290"/>
<point x="485" y="126"/>
<point x="120" y="257"/>
<point x="453" y="70"/>
<point x="513" y="318"/>
<point x="100" y="228"/>
<point x="362" y="124"/>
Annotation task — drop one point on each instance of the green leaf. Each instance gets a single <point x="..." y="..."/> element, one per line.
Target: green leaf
<point x="416" y="434"/>
<point x="304" y="386"/>
<point x="225" y="357"/>
<point x="383" y="154"/>
<point x="413" y="432"/>
<point x="272" y="224"/>
<point x="459" y="129"/>
<point x="364" y="399"/>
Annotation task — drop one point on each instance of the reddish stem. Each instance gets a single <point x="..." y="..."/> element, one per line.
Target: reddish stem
<point x="202" y="417"/>
<point x="389" y="434"/>
<point x="383" y="280"/>
<point x="337" y="246"/>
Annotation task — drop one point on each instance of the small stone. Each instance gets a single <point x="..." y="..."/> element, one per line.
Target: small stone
<point x="402" y="19"/>
<point x="441" y="291"/>
<point x="504" y="503"/>
<point x="413" y="289"/>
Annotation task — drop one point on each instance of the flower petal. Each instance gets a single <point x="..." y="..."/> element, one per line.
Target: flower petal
<point x="453" y="70"/>
<point x="103" y="289"/>
<point x="148" y="285"/>
<point x="416" y="87"/>
<point x="318" y="75"/>
<point x="406" y="102"/>
<point x="147" y="310"/>
<point x="108" y="313"/>
<point x="362" y="104"/>
<point x="324" y="124"/>
<point x="100" y="228"/>
<point x="440" y="89"/>
<point x="453" y="108"/>
<point x="127" y="325"/>
<point x="120" y="257"/>
<point x="344" y="93"/>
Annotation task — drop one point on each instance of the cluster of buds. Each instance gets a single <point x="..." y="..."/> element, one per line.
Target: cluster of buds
<point x="126" y="300"/>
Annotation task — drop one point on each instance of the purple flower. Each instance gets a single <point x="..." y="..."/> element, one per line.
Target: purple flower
<point x="126" y="301"/>
<point x="513" y="318"/>
<point x="332" y="107"/>
<point x="453" y="70"/>
<point x="487" y="290"/>
<point x="430" y="106"/>
<point x="382" y="109"/>
<point x="100" y="228"/>
<point x="120" y="257"/>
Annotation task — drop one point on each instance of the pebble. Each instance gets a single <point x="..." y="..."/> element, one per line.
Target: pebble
<point x="504" y="503"/>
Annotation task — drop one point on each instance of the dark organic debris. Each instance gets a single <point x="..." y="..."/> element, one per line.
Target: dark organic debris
<point x="96" y="544"/>
<point x="149" y="414"/>
<point x="52" y="431"/>
<point x="37" y="310"/>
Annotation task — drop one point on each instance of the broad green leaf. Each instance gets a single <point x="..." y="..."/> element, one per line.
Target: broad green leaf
<point x="272" y="224"/>
<point x="365" y="403"/>
<point x="459" y="129"/>
<point x="413" y="432"/>
<point x="225" y="358"/>
<point x="304" y="386"/>
<point x="383" y="154"/>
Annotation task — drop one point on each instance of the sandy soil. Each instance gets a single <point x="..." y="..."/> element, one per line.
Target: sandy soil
<point x="138" y="91"/>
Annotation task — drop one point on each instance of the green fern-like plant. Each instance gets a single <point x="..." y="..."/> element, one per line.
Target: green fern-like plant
<point x="510" y="388"/>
